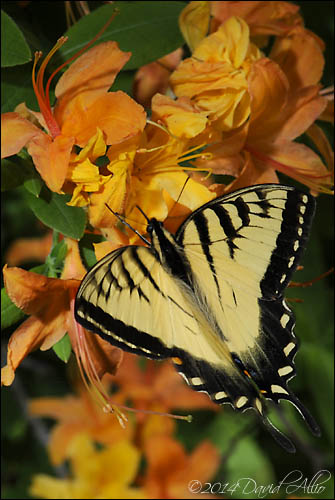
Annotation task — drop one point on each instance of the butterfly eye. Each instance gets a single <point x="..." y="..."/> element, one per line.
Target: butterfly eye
<point x="150" y="228"/>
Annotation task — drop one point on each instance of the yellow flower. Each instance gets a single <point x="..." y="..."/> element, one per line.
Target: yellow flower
<point x="83" y="173"/>
<point x="215" y="77"/>
<point x="266" y="144"/>
<point x="107" y="473"/>
<point x="194" y="22"/>
<point x="147" y="172"/>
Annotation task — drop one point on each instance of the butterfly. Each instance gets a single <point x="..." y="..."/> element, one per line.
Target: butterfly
<point x="211" y="297"/>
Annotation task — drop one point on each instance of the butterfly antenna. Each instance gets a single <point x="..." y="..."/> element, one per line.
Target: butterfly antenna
<point x="144" y="215"/>
<point x="181" y="192"/>
<point x="121" y="219"/>
<point x="179" y="196"/>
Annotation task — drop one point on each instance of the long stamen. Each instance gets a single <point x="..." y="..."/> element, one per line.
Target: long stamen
<point x="94" y="385"/>
<point x="77" y="54"/>
<point x="42" y="95"/>
<point x="287" y="169"/>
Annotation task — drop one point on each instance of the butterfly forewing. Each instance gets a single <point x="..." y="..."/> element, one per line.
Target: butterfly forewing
<point x="130" y="299"/>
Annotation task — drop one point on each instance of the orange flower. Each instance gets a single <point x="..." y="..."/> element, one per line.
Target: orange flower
<point x="154" y="77"/>
<point x="194" y="22"/>
<point x="171" y="470"/>
<point x="75" y="415"/>
<point x="83" y="107"/>
<point x="159" y="385"/>
<point x="25" y="249"/>
<point x="260" y="106"/>
<point x="181" y="117"/>
<point x="48" y="301"/>
<point x="263" y="18"/>
<point x="269" y="142"/>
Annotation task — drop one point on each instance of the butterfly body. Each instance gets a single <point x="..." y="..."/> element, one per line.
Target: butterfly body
<point x="211" y="297"/>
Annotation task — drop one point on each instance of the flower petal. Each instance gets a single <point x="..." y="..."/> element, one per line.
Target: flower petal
<point x="263" y="18"/>
<point x="154" y="77"/>
<point x="303" y="108"/>
<point x="35" y="293"/>
<point x="51" y="158"/>
<point x="24" y="249"/>
<point x="194" y="23"/>
<point x="180" y="116"/>
<point x="90" y="76"/>
<point x="105" y="357"/>
<point x="202" y="464"/>
<point x="299" y="55"/>
<point x="317" y="135"/>
<point x="44" y="486"/>
<point x="110" y="113"/>
<point x="301" y="163"/>
<point x="268" y="88"/>
<point x="73" y="267"/>
<point x="16" y="132"/>
<point x="230" y="43"/>
<point x="193" y="196"/>
<point x="30" y="335"/>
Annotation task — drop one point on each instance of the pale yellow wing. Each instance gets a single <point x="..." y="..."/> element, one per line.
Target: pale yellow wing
<point x="242" y="250"/>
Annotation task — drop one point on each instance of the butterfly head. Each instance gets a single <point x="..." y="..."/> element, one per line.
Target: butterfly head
<point x="157" y="233"/>
<point x="162" y="241"/>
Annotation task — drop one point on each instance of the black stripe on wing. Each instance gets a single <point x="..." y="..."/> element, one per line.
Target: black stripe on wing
<point x="118" y="333"/>
<point x="243" y="210"/>
<point x="222" y="387"/>
<point x="201" y="224"/>
<point x="290" y="244"/>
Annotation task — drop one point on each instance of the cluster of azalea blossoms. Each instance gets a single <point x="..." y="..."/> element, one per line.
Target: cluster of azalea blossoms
<point x="113" y="471"/>
<point x="235" y="111"/>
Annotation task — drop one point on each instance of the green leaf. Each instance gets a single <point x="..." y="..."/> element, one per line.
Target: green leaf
<point x="124" y="81"/>
<point x="10" y="314"/>
<point x="317" y="365"/>
<point x="14" y="48"/>
<point x="12" y="174"/>
<point x="16" y="172"/>
<point x="147" y="29"/>
<point x="63" y="348"/>
<point x="58" y="253"/>
<point x="244" y="458"/>
<point x="16" y="87"/>
<point x="52" y="210"/>
<point x="34" y="185"/>
<point x="55" y="260"/>
<point x="41" y="269"/>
